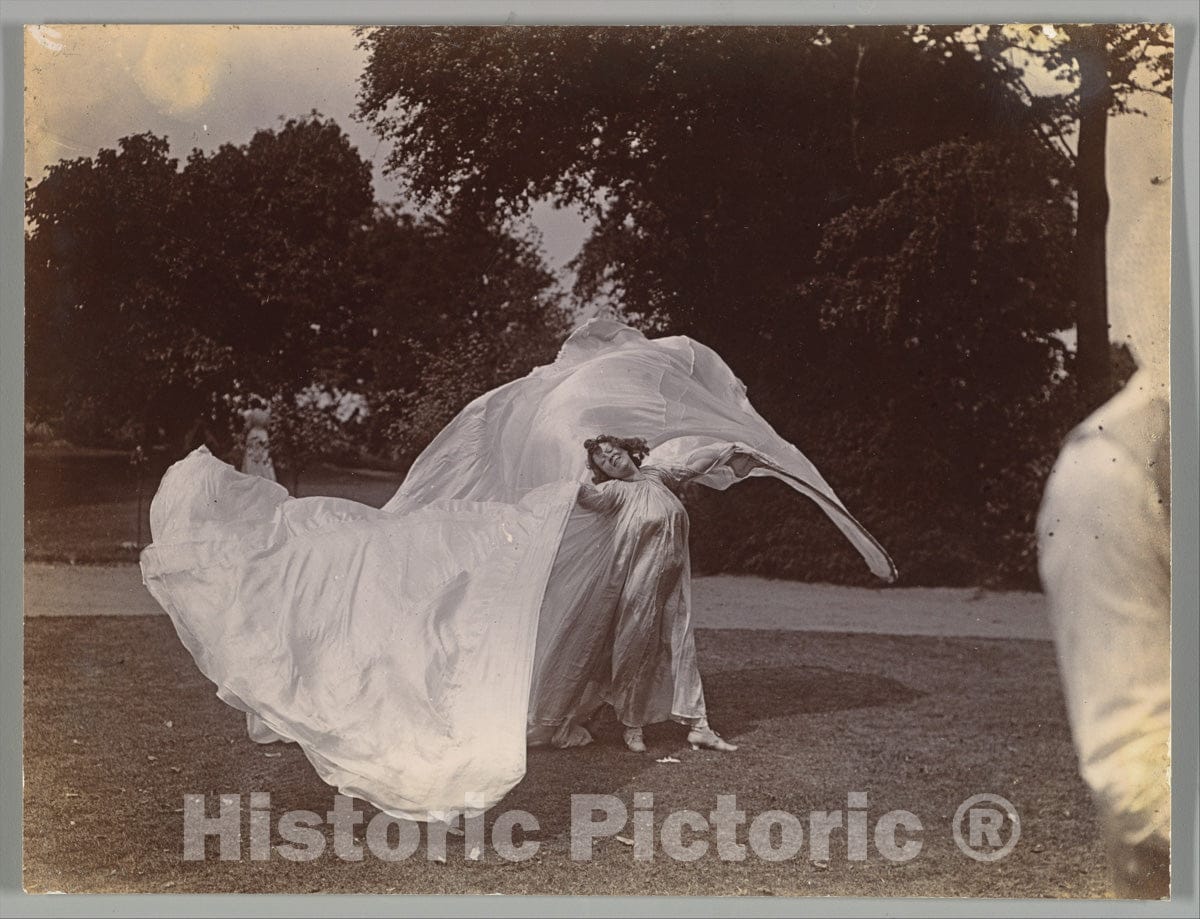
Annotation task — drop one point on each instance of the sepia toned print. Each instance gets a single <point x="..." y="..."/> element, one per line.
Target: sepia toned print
<point x="643" y="460"/>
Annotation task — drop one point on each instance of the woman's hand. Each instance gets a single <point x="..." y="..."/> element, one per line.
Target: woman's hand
<point x="738" y="457"/>
<point x="742" y="463"/>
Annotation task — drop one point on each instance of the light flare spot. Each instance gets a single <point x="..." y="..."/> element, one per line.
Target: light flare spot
<point x="178" y="69"/>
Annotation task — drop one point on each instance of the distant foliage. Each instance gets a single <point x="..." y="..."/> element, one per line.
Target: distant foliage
<point x="311" y="426"/>
<point x="450" y="308"/>
<point x="875" y="226"/>
<point x="450" y="378"/>
<point x="159" y="296"/>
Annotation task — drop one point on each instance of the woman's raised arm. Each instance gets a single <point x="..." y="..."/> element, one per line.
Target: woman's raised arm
<point x="738" y="457"/>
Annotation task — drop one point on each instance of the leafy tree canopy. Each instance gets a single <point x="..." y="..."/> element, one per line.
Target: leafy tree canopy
<point x="712" y="158"/>
<point x="870" y="224"/>
<point x="155" y="291"/>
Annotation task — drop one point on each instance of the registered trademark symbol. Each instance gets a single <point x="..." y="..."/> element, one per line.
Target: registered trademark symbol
<point x="992" y="827"/>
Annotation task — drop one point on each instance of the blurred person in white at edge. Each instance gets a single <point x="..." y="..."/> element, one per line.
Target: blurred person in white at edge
<point x="1104" y="544"/>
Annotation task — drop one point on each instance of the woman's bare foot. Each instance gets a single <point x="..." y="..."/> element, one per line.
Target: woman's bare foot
<point x="708" y="738"/>
<point x="634" y="740"/>
<point x="570" y="734"/>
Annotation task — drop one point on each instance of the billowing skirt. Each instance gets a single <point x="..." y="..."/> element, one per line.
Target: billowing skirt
<point x="395" y="649"/>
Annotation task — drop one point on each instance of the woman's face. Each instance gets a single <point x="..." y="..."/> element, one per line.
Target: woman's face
<point x="614" y="461"/>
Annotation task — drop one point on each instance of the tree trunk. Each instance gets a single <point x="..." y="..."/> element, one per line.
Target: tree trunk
<point x="1091" y="222"/>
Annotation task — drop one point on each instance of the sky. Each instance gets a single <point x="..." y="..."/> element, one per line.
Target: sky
<point x="202" y="86"/>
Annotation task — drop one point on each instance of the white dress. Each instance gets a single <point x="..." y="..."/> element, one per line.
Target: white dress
<point x="257" y="458"/>
<point x="628" y="641"/>
<point x="398" y="646"/>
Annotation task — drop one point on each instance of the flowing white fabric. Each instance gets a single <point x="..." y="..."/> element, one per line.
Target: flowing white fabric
<point x="675" y="393"/>
<point x="396" y="650"/>
<point x="399" y="647"/>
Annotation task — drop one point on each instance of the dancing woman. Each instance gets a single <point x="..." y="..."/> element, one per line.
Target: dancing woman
<point x="413" y="651"/>
<point x="628" y="640"/>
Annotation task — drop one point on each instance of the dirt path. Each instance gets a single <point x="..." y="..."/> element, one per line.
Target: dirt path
<point x="723" y="602"/>
<point x="729" y="601"/>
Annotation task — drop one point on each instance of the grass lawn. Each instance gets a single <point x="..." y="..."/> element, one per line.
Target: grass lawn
<point x="120" y="725"/>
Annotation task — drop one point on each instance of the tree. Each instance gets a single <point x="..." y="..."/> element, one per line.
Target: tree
<point x="97" y="275"/>
<point x="270" y="230"/>
<point x="161" y="296"/>
<point x="1107" y="66"/>
<point x="952" y="302"/>
<point x="309" y="426"/>
<point x="449" y="308"/>
<point x="153" y="291"/>
<point x="869" y="223"/>
<point x="710" y="157"/>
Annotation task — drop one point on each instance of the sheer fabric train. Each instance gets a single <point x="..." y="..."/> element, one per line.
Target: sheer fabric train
<point x="398" y="646"/>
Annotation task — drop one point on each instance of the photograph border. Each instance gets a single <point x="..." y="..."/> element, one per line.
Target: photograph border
<point x="1185" y="268"/>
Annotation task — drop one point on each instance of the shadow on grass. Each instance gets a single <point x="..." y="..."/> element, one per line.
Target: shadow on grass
<point x="741" y="697"/>
<point x="739" y="700"/>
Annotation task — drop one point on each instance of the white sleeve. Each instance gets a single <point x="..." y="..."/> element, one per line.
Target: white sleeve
<point x="601" y="499"/>
<point x="1104" y="558"/>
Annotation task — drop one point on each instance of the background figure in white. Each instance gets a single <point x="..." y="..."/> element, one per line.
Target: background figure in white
<point x="257" y="458"/>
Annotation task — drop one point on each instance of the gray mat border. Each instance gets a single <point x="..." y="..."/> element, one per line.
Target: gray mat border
<point x="1186" y="499"/>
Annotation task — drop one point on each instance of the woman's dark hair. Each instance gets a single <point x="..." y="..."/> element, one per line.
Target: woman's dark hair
<point x="634" y="446"/>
